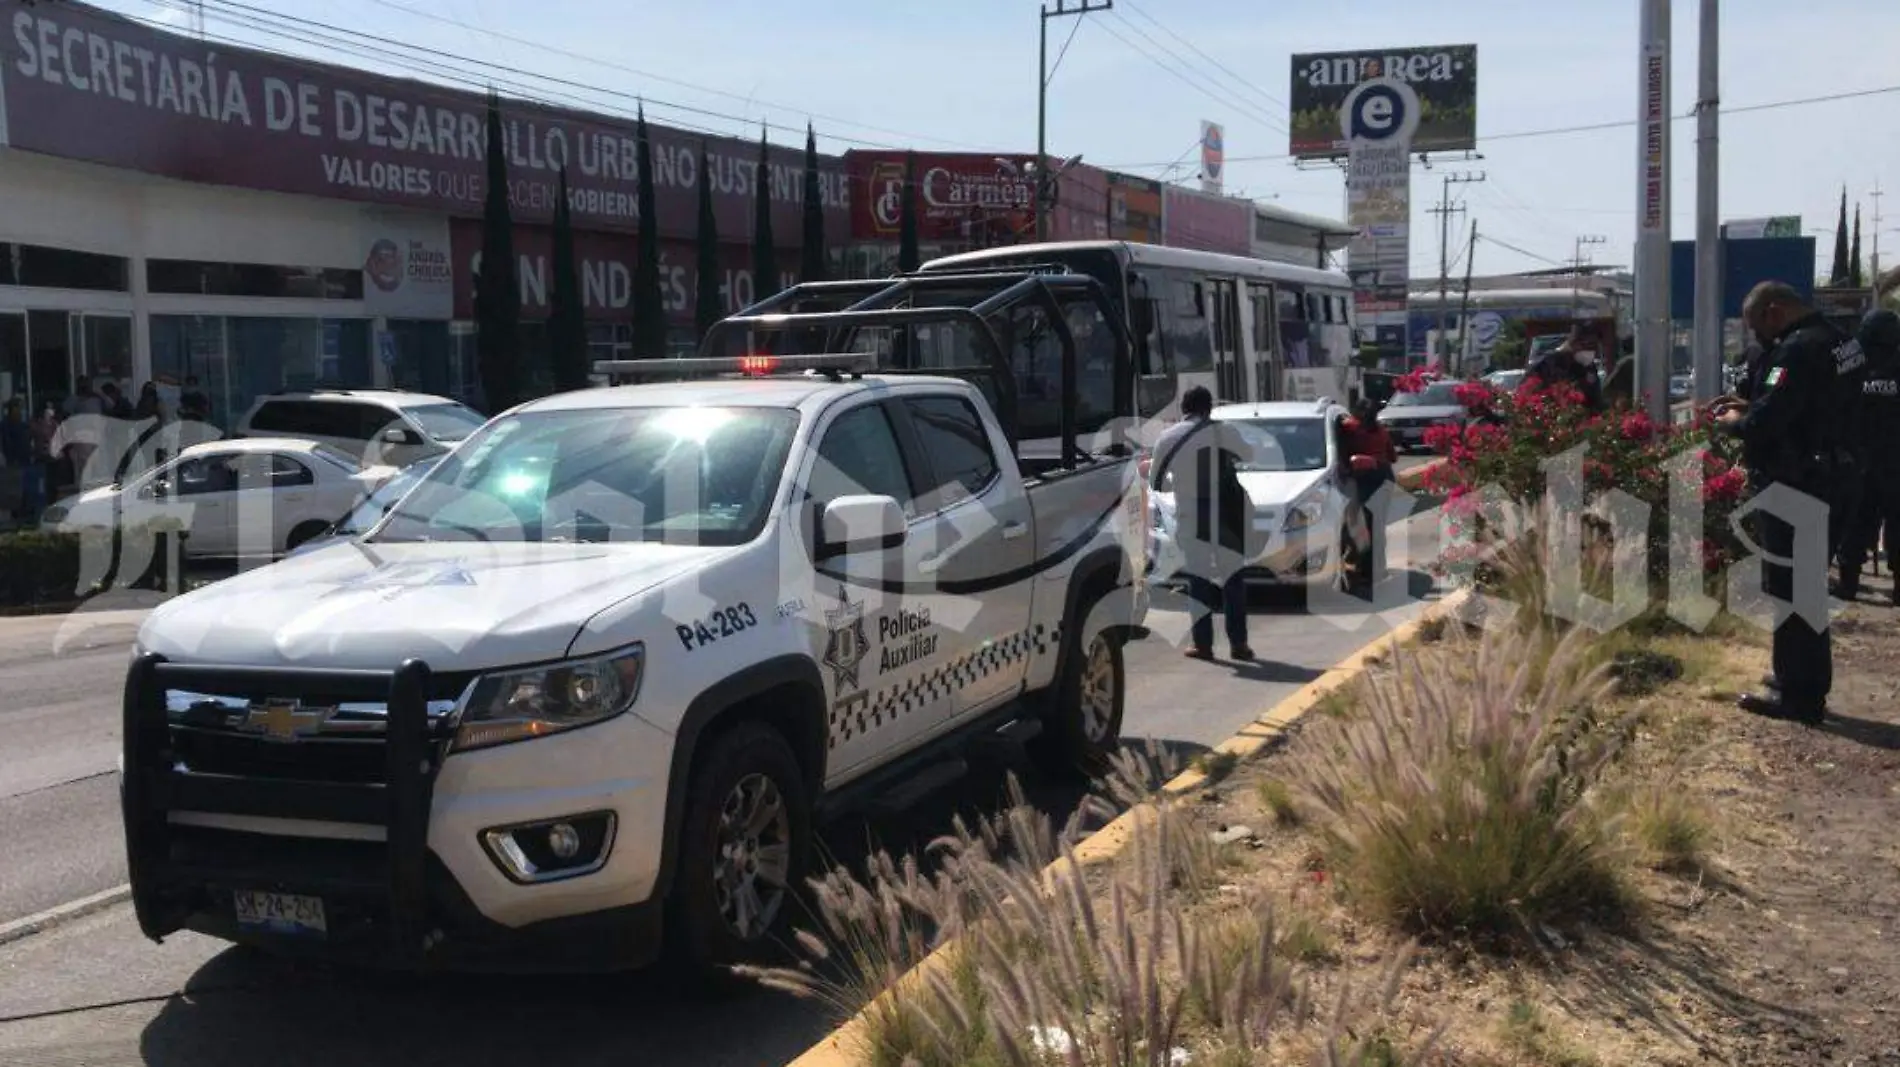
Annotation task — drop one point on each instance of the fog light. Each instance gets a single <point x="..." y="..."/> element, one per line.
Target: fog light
<point x="552" y="849"/>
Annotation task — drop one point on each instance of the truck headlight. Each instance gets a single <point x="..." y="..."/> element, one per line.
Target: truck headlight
<point x="1302" y="515"/>
<point x="516" y="705"/>
<point x="53" y="515"/>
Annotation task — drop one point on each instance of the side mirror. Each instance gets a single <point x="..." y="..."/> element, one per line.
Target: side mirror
<point x="401" y="435"/>
<point x="860" y="524"/>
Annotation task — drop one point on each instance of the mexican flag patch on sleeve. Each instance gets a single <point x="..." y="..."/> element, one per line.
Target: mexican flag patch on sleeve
<point x="1773" y="379"/>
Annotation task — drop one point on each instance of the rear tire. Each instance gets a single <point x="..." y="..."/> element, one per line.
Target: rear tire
<point x="745" y="845"/>
<point x="303" y="533"/>
<point x="1082" y="712"/>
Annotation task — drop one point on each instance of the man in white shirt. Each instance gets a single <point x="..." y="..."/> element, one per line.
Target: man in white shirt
<point x="1211" y="518"/>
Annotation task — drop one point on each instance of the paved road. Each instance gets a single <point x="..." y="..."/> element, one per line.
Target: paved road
<point x="94" y="992"/>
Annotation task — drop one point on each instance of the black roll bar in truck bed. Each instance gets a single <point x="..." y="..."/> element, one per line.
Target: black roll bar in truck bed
<point x="976" y="299"/>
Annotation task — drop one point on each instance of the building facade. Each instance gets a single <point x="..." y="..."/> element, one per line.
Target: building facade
<point x="260" y="222"/>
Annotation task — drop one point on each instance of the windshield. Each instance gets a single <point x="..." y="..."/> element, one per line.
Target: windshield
<point x="693" y="475"/>
<point x="1282" y="444"/>
<point x="446" y="422"/>
<point x="377" y="504"/>
<point x="338" y="456"/>
<point x="1437" y="395"/>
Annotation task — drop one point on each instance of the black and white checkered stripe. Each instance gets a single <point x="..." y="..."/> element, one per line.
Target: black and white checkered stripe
<point x="863" y="713"/>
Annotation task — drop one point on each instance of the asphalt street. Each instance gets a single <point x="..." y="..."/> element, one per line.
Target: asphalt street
<point x="94" y="991"/>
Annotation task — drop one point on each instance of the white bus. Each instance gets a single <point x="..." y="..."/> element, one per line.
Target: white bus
<point x="1247" y="329"/>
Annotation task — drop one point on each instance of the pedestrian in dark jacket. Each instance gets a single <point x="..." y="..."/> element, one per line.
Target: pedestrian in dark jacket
<point x="1791" y="437"/>
<point x="1212" y="517"/>
<point x="1570" y="364"/>
<point x="1879" y="338"/>
<point x="1372" y="460"/>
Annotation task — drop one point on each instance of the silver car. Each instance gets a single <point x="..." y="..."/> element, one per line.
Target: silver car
<point x="1410" y="415"/>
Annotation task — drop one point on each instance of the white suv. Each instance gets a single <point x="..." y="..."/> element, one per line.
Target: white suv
<point x="383" y="427"/>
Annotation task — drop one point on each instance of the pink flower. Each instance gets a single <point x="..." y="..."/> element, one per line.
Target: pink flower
<point x="1637" y="426"/>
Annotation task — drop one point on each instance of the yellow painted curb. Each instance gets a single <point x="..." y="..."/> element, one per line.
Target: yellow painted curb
<point x="837" y="1048"/>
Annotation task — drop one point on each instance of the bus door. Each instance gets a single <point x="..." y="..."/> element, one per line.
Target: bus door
<point x="1229" y="366"/>
<point x="1267" y="364"/>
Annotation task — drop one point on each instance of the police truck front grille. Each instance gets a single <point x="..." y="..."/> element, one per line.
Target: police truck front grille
<point x="312" y="739"/>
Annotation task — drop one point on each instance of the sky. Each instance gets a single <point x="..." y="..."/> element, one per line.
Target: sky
<point x="1134" y="84"/>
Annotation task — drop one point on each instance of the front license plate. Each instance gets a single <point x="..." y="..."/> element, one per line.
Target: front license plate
<point x="284" y="913"/>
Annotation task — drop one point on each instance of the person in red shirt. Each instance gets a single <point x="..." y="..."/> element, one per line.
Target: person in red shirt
<point x="1372" y="460"/>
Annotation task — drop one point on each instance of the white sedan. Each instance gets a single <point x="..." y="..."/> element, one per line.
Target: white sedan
<point x="1306" y="524"/>
<point x="255" y="497"/>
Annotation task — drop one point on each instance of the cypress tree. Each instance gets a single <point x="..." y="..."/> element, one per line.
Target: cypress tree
<point x="708" y="308"/>
<point x="1854" y="276"/>
<point x="1838" y="276"/>
<point x="567" y="319"/>
<point x="649" y="307"/>
<point x="764" y="256"/>
<point x="812" y="250"/>
<point x="498" y="286"/>
<point x="908" y="255"/>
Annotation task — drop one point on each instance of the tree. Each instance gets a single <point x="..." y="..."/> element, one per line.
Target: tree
<point x="908" y="256"/>
<point x="649" y="307"/>
<point x="498" y="285"/>
<point x="708" y="308"/>
<point x="764" y="255"/>
<point x="567" y="319"/>
<point x="1838" y="276"/>
<point x="812" y="250"/>
<point x="1854" y="276"/>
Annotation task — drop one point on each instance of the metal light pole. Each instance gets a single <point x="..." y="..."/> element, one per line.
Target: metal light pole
<point x="1653" y="325"/>
<point x="1708" y="224"/>
<point x="1062" y="9"/>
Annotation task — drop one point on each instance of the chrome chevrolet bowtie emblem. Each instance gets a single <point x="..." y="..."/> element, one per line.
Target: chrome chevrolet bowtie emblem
<point x="285" y="720"/>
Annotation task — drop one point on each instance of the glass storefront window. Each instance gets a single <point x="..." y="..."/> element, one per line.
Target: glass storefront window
<point x="252" y="279"/>
<point x="238" y="359"/>
<point x="39" y="267"/>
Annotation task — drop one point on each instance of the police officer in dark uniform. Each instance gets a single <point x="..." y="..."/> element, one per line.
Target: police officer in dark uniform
<point x="1792" y="435"/>
<point x="1879" y="338"/>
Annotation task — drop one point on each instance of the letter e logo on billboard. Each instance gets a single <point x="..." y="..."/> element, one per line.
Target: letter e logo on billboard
<point x="1380" y="110"/>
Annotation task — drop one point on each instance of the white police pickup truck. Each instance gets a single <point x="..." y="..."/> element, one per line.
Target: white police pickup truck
<point x="588" y="688"/>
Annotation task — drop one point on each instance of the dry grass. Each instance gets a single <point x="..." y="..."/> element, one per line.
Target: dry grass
<point x="1460" y="804"/>
<point x="1277" y="797"/>
<point x="1528" y="1032"/>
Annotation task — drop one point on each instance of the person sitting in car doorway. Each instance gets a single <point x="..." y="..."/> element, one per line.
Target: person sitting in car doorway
<point x="1372" y="460"/>
<point x="1213" y="517"/>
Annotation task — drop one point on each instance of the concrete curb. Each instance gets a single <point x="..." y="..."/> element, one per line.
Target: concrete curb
<point x="838" y="1049"/>
<point x="67" y="912"/>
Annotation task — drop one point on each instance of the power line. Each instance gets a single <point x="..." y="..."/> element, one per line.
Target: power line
<point x="1057" y="65"/>
<point x="1488" y="239"/>
<point x="232" y="11"/>
<point x="1218" y="65"/>
<point x="1559" y="131"/>
<point x="1184" y="78"/>
<point x="542" y="46"/>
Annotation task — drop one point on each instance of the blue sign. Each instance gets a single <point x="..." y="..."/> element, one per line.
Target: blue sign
<point x="1745" y="264"/>
<point x="386" y="348"/>
<point x="1380" y="109"/>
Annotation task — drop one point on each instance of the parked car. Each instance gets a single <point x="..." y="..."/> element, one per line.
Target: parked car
<point x="383" y="427"/>
<point x="1505" y="380"/>
<point x="1295" y="479"/>
<point x="1681" y="387"/>
<point x="367" y="514"/>
<point x="1410" y="415"/>
<point x="257" y="497"/>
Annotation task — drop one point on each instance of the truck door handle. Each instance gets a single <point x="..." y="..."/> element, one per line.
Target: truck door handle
<point x="1013" y="530"/>
<point x="931" y="564"/>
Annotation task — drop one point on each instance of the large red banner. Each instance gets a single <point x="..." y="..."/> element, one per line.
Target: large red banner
<point x="959" y="197"/>
<point x="84" y="84"/>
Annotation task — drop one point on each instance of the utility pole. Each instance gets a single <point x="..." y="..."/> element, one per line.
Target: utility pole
<point x="1063" y="9"/>
<point x="1708" y="212"/>
<point x="1445" y="211"/>
<point x="1576" y="265"/>
<point x="1464" y="303"/>
<point x="1654" y="328"/>
<point x="1876" y="194"/>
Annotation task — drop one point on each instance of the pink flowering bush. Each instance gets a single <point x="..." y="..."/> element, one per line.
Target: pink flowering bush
<point x="1511" y="435"/>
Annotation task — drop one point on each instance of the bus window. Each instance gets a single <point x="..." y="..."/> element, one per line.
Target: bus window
<point x="1293" y="332"/>
<point x="1035" y="352"/>
<point x="1188" y="336"/>
<point x="1151" y="356"/>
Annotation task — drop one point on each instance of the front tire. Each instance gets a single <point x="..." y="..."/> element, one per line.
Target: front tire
<point x="744" y="848"/>
<point x="1082" y="713"/>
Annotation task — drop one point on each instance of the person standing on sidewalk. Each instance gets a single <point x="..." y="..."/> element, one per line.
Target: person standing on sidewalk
<point x="1879" y="338"/>
<point x="1791" y="436"/>
<point x="16" y="448"/>
<point x="1373" y="461"/>
<point x="1212" y="516"/>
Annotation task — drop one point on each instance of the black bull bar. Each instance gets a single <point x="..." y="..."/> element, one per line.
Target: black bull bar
<point x="168" y="888"/>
